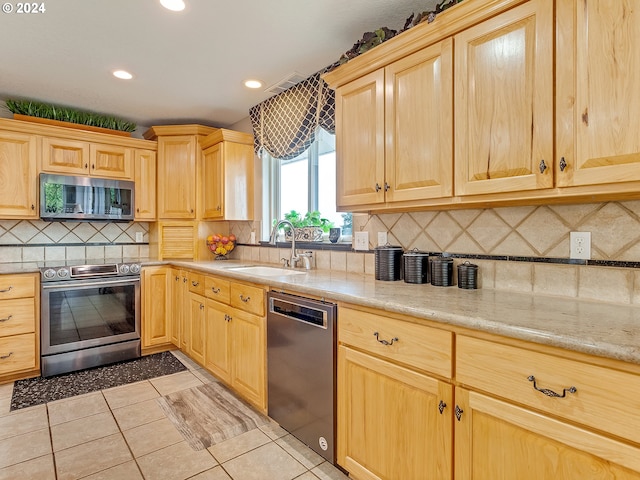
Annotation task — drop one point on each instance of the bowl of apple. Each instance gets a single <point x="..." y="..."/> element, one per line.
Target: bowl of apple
<point x="220" y="245"/>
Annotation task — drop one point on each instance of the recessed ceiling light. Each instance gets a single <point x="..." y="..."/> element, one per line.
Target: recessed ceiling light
<point x="124" y="75"/>
<point x="173" y="5"/>
<point x="253" y="84"/>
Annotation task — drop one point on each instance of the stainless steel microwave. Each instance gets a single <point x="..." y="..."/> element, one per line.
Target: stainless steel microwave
<point x="85" y="198"/>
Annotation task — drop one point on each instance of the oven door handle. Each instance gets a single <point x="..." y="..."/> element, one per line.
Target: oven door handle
<point x="85" y="283"/>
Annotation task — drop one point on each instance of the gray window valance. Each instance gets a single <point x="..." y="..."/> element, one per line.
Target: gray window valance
<point x="285" y="125"/>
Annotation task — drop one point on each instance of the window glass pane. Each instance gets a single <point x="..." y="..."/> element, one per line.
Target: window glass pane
<point x="327" y="188"/>
<point x="294" y="185"/>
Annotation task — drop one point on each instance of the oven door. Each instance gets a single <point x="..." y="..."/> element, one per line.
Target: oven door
<point x="87" y="313"/>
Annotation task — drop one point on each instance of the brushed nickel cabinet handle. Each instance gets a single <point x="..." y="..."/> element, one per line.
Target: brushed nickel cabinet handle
<point x="378" y="187"/>
<point x="201" y="306"/>
<point x="551" y="393"/>
<point x="458" y="412"/>
<point x="6" y="319"/>
<point x="215" y="290"/>
<point x="543" y="166"/>
<point x="387" y="187"/>
<point x="244" y="299"/>
<point x="33" y="207"/>
<point x="441" y="406"/>
<point x="4" y="357"/>
<point x="194" y="284"/>
<point x="7" y="289"/>
<point x="385" y="342"/>
<point x="563" y="164"/>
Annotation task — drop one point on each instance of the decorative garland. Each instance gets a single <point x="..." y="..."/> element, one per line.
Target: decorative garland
<point x="375" y="38"/>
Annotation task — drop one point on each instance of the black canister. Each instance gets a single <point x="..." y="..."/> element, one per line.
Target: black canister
<point x="416" y="267"/>
<point x="468" y="276"/>
<point x="441" y="271"/>
<point x="388" y="262"/>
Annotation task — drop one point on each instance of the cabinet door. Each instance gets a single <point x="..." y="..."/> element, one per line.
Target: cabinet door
<point x="185" y="311"/>
<point x="65" y="156"/>
<point x="197" y="327"/>
<point x="177" y="160"/>
<point x="18" y="178"/>
<point x="496" y="440"/>
<point x="249" y="356"/>
<point x="419" y="125"/>
<point x="218" y="344"/>
<point x="145" y="178"/>
<point x="238" y="181"/>
<point x="360" y="141"/>
<point x="176" y="307"/>
<point x="504" y="102"/>
<point x="389" y="422"/>
<point x="111" y="161"/>
<point x="156" y="319"/>
<point x="598" y="72"/>
<point x="213" y="183"/>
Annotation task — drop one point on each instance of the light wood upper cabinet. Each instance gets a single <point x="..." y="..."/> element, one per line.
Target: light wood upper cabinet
<point x="18" y="178"/>
<point x="598" y="99"/>
<point x="145" y="178"/>
<point x="504" y="102"/>
<point x="360" y="141"/>
<point x="76" y="157"/>
<point x="112" y="161"/>
<point x="419" y="125"/>
<point x="65" y="156"/>
<point x="156" y="314"/>
<point x="177" y="169"/>
<point x="227" y="176"/>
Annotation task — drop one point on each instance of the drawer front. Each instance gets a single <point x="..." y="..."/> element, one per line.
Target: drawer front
<point x="17" y="286"/>
<point x="196" y="283"/>
<point x="217" y="289"/>
<point x="415" y="345"/>
<point x="606" y="399"/>
<point x="17" y="316"/>
<point x="17" y="353"/>
<point x="247" y="298"/>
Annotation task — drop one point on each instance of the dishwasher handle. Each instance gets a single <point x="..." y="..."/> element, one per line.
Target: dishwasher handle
<point x="301" y="311"/>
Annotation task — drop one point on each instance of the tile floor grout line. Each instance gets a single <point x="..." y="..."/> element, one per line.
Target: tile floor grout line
<point x="53" y="454"/>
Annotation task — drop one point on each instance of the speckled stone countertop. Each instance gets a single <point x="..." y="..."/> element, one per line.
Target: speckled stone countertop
<point x="596" y="328"/>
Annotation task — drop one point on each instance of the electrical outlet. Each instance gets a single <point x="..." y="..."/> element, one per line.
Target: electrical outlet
<point x="139" y="237"/>
<point x="580" y="245"/>
<point x="361" y="241"/>
<point x="382" y="239"/>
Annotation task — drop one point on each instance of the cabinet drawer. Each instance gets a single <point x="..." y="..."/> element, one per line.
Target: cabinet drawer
<point x="419" y="346"/>
<point x="196" y="283"/>
<point x="17" y="353"/>
<point x="17" y="286"/>
<point x="606" y="399"/>
<point x="217" y="289"/>
<point x="17" y="316"/>
<point x="247" y="298"/>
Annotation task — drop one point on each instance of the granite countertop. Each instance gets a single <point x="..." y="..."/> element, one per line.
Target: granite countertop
<point x="596" y="328"/>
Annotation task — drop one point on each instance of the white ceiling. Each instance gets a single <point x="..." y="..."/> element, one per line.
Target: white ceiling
<point x="188" y="66"/>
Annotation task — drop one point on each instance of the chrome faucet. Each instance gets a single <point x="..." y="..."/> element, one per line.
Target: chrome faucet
<point x="272" y="240"/>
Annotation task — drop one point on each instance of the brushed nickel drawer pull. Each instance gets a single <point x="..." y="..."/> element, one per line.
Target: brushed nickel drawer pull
<point x="244" y="299"/>
<point x="458" y="412"/>
<point x="551" y="393"/>
<point x="442" y="406"/>
<point x="4" y="357"/>
<point x="7" y="289"/>
<point x="6" y="319"/>
<point x="385" y="342"/>
<point x="194" y="284"/>
<point x="215" y="290"/>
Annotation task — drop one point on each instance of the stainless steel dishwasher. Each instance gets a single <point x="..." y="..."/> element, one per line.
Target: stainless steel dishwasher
<point x="301" y="356"/>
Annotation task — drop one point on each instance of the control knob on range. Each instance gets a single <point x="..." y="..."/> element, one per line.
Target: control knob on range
<point x="49" y="273"/>
<point x="63" y="273"/>
<point x="135" y="268"/>
<point x="124" y="269"/>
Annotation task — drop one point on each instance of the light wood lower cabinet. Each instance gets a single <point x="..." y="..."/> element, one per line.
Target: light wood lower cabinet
<point x="196" y="345"/>
<point x="19" y="326"/>
<point x="156" y="313"/>
<point x="177" y="280"/>
<point x="389" y="421"/>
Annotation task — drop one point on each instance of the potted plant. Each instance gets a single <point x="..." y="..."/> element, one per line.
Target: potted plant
<point x="308" y="227"/>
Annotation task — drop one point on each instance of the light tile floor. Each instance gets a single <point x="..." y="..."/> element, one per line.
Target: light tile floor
<point x="122" y="434"/>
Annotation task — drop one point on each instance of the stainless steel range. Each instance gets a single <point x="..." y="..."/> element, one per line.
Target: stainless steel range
<point x="90" y="315"/>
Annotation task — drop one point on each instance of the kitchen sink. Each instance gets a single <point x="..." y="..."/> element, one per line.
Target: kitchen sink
<point x="263" y="271"/>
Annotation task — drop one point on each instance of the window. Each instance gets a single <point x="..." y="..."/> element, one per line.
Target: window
<point x="305" y="183"/>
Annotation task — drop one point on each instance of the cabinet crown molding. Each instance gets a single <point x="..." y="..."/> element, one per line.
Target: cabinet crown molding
<point x="166" y="130"/>
<point x="224" y="135"/>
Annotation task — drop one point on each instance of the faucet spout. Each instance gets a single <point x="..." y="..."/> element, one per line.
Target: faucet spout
<point x="272" y="240"/>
